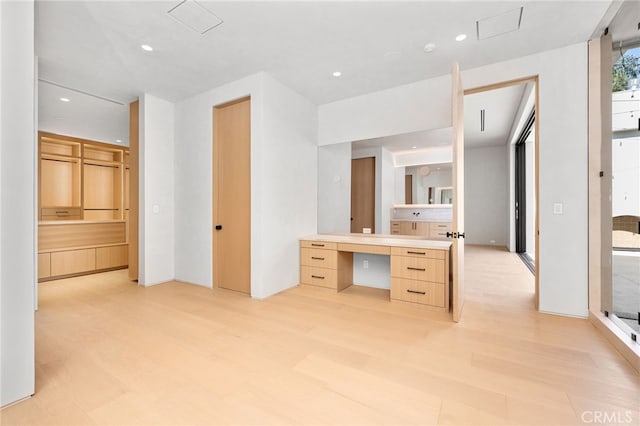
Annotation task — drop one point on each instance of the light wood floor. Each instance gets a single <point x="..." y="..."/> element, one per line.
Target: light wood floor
<point x="108" y="352"/>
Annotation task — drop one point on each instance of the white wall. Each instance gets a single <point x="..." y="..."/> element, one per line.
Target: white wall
<point x="157" y="204"/>
<point x="283" y="182"/>
<point x="486" y="186"/>
<point x="17" y="200"/>
<point x="398" y="189"/>
<point x="563" y="152"/>
<point x="289" y="176"/>
<point x="334" y="188"/>
<point x="422" y="105"/>
<point x="421" y="184"/>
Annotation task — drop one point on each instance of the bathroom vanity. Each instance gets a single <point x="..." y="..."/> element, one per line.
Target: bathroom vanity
<point x="431" y="221"/>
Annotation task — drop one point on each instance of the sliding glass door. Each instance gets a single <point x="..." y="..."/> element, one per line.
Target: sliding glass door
<point x="625" y="187"/>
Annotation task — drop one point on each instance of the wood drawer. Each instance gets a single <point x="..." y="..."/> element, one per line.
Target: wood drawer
<point x="319" y="244"/>
<point x="322" y="277"/>
<point x="440" y="226"/>
<point x="73" y="261"/>
<point x="44" y="265"/>
<point x="61" y="213"/>
<point x="112" y="257"/>
<point x="395" y="227"/>
<point x="416" y="268"/>
<point x="363" y="248"/>
<point x="438" y="230"/>
<point x="419" y="252"/>
<point x="423" y="292"/>
<point x="318" y="257"/>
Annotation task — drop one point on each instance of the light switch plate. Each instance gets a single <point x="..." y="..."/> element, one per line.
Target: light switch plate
<point x="558" y="208"/>
<point x="155" y="209"/>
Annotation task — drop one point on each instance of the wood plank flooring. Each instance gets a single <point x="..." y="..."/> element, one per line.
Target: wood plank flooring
<point x="109" y="352"/>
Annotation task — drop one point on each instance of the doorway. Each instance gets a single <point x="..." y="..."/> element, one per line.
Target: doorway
<point x="232" y="196"/>
<point x="408" y="193"/>
<point x="501" y="171"/>
<point x="363" y="194"/>
<point x="524" y="193"/>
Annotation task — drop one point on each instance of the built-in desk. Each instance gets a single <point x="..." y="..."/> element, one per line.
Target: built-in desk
<point x="419" y="267"/>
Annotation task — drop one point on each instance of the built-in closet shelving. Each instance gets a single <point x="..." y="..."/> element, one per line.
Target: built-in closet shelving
<point x="83" y="206"/>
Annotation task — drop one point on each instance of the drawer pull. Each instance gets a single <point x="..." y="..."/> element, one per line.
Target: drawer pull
<point x="317" y="245"/>
<point x="317" y="276"/>
<point x="416" y="269"/>
<point x="62" y="212"/>
<point x="317" y="258"/>
<point x="416" y="252"/>
<point x="416" y="292"/>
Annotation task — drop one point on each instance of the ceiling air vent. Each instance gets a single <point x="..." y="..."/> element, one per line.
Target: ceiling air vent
<point x="500" y="24"/>
<point x="194" y="16"/>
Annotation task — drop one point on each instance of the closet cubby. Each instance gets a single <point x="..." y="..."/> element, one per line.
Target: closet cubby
<point x="60" y="179"/>
<point x="103" y="182"/>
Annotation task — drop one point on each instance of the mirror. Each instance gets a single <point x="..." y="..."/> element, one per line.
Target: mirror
<point x="428" y="184"/>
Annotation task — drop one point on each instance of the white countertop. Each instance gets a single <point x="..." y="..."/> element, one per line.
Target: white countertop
<point x="382" y="240"/>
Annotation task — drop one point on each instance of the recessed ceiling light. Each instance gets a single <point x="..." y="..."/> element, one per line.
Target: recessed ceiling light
<point x="118" y="140"/>
<point x="65" y="99"/>
<point x="429" y="47"/>
<point x="461" y="37"/>
<point x="146" y="47"/>
<point x="414" y="147"/>
<point x="337" y="73"/>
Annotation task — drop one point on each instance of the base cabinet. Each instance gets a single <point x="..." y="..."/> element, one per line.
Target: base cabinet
<point x="420" y="276"/>
<point x="112" y="257"/>
<point x="318" y="264"/>
<point x="73" y="261"/>
<point x="44" y="265"/>
<point x="67" y="248"/>
<point x="431" y="230"/>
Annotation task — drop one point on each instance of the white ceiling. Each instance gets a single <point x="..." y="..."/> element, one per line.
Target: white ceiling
<point x="94" y="46"/>
<point x="89" y="117"/>
<point x="407" y="141"/>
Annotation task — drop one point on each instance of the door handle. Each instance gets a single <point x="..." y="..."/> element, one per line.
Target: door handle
<point x="218" y="227"/>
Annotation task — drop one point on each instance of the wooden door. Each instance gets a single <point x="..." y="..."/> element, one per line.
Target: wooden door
<point x="232" y="196"/>
<point x="363" y="194"/>
<point x="457" y="226"/>
<point x="408" y="189"/>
